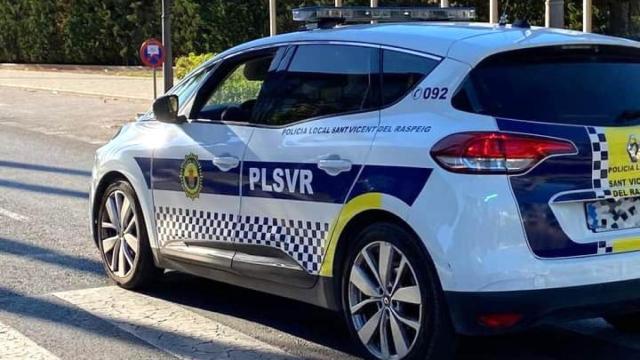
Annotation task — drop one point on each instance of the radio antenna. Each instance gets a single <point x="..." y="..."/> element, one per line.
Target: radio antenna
<point x="504" y="18"/>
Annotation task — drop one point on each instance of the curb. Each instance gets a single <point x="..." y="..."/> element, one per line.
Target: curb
<point x="86" y="93"/>
<point x="66" y="67"/>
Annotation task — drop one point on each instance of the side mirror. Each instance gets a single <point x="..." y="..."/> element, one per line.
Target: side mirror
<point x="165" y="109"/>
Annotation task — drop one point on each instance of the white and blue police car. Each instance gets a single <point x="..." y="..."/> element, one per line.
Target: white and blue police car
<point x="426" y="179"/>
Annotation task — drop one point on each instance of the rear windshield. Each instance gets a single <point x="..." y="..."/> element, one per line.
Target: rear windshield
<point x="586" y="85"/>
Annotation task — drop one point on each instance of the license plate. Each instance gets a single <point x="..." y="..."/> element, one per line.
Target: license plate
<point x="610" y="215"/>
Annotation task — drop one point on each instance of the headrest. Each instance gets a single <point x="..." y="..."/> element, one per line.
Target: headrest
<point x="256" y="70"/>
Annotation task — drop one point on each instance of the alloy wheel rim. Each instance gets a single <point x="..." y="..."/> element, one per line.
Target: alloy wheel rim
<point x="119" y="234"/>
<point x="385" y="302"/>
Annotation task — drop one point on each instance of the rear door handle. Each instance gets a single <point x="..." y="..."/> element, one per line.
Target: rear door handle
<point x="334" y="167"/>
<point x="226" y="163"/>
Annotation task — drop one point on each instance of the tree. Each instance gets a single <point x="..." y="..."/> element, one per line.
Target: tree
<point x="84" y="31"/>
<point x="188" y="24"/>
<point x="111" y="31"/>
<point x="227" y="23"/>
<point x="620" y="17"/>
<point x="37" y="33"/>
<point x="9" y="19"/>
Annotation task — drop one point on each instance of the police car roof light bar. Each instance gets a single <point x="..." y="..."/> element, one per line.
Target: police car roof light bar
<point x="362" y="14"/>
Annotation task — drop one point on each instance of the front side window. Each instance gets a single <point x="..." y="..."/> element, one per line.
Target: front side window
<point x="242" y="84"/>
<point x="322" y="80"/>
<point x="401" y="72"/>
<point x="232" y="92"/>
<point x="587" y="85"/>
<point x="185" y="89"/>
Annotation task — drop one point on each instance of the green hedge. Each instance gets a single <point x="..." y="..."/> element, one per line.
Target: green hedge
<point x="185" y="64"/>
<point x="110" y="31"/>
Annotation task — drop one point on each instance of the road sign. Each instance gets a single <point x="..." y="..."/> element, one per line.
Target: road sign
<point x="152" y="53"/>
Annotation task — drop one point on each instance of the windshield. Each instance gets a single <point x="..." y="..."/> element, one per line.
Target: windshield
<point x="586" y="85"/>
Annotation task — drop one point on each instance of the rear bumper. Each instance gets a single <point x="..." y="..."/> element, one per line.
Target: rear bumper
<point x="542" y="306"/>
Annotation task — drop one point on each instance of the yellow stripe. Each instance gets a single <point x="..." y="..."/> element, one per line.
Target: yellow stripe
<point x="623" y="172"/>
<point x="349" y="211"/>
<point x="626" y="245"/>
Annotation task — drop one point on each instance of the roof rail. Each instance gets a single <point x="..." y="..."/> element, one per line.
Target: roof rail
<point x="329" y="16"/>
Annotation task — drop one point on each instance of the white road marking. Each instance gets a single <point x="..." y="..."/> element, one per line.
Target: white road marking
<point x="14" y="345"/>
<point x="168" y="326"/>
<point x="12" y="215"/>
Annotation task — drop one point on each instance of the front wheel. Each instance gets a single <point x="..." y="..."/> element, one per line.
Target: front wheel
<point x="392" y="299"/>
<point x="123" y="240"/>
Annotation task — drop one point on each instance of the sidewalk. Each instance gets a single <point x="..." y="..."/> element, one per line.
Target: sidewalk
<point x="130" y="87"/>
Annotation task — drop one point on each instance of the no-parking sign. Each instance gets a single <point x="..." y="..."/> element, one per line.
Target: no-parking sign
<point x="152" y="53"/>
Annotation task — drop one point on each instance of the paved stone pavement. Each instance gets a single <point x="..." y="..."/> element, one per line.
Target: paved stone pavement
<point x="15" y="345"/>
<point x="170" y="327"/>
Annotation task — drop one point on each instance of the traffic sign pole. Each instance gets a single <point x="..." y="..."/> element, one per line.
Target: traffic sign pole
<point x="155" y="87"/>
<point x="166" y="41"/>
<point x="152" y="54"/>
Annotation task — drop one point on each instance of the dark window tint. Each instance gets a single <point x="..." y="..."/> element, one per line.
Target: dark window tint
<point x="231" y="93"/>
<point x="401" y="73"/>
<point x="592" y="85"/>
<point x="321" y="80"/>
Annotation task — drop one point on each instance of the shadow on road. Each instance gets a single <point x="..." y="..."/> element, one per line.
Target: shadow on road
<point x="49" y="256"/>
<point x="545" y="342"/>
<point x="57" y="311"/>
<point x="308" y="322"/>
<point x="44" y="189"/>
<point x="327" y="328"/>
<point x="51" y="169"/>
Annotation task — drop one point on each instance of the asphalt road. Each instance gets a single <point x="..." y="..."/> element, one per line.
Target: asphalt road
<point x="55" y="301"/>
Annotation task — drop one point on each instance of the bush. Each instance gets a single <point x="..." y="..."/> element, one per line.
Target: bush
<point x="185" y="64"/>
<point x="236" y="89"/>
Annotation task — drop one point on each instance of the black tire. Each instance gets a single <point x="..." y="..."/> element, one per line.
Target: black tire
<point x="143" y="272"/>
<point x="436" y="338"/>
<point x="626" y="322"/>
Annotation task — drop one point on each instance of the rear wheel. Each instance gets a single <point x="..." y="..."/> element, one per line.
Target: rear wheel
<point x="123" y="240"/>
<point x="625" y="322"/>
<point x="392" y="299"/>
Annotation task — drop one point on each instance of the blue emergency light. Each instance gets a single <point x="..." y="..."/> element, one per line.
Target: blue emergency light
<point x="361" y="14"/>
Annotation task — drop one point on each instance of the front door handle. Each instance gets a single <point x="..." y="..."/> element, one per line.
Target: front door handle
<point x="226" y="163"/>
<point x="334" y="167"/>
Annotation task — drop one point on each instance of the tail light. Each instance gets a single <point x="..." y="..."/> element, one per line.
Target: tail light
<point x="495" y="152"/>
<point x="500" y="321"/>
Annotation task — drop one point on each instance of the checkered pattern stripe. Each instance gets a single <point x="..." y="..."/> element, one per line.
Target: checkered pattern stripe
<point x="605" y="247"/>
<point x="304" y="241"/>
<point x="600" y="151"/>
<point x="615" y="214"/>
<point x="189" y="224"/>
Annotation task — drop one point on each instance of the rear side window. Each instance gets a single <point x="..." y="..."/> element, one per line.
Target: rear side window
<point x="401" y="72"/>
<point x="585" y="85"/>
<point x="321" y="80"/>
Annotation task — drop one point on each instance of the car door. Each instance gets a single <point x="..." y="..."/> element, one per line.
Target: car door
<point x="315" y="122"/>
<point x="196" y="170"/>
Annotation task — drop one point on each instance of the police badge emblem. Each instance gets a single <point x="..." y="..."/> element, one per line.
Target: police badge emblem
<point x="191" y="176"/>
<point x="633" y="148"/>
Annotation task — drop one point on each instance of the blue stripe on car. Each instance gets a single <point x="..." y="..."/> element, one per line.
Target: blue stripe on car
<point x="405" y="183"/>
<point x="166" y="176"/>
<point x="534" y="190"/>
<point x="145" y="167"/>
